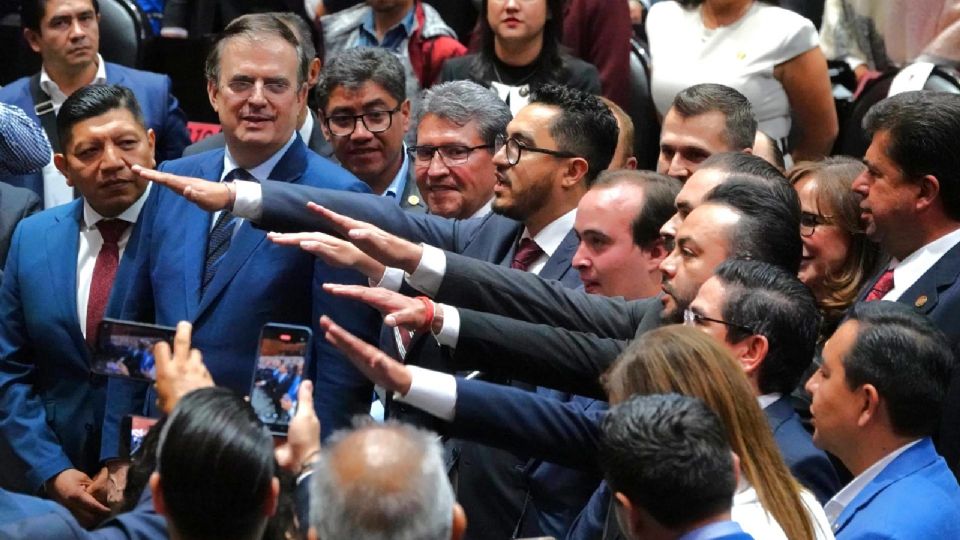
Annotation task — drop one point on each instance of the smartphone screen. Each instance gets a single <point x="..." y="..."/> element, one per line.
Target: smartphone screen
<point x="125" y="349"/>
<point x="279" y="370"/>
<point x="136" y="428"/>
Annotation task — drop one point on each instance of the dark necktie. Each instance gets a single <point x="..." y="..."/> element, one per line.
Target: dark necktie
<point x="104" y="270"/>
<point x="220" y="236"/>
<point x="881" y="287"/>
<point x="527" y="252"/>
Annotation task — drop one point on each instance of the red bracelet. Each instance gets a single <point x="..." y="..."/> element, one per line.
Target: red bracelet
<point x="428" y="305"/>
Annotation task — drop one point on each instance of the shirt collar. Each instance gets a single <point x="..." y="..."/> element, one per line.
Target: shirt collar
<point x="53" y="90"/>
<point x="915" y="265"/>
<point x="550" y="238"/>
<point x="767" y="400"/>
<point x="713" y="530"/>
<point x="395" y="189"/>
<point x="483" y="210"/>
<point x="845" y="496"/>
<point x="306" y="130"/>
<point x="91" y="217"/>
<point x="369" y="27"/>
<point x="261" y="171"/>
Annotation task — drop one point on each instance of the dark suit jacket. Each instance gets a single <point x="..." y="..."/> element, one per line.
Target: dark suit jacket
<point x="316" y="143"/>
<point x="52" y="406"/>
<point x="15" y="204"/>
<point x="809" y="464"/>
<point x="257" y="282"/>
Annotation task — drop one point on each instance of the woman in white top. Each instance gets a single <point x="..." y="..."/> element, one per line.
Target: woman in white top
<point x="770" y="55"/>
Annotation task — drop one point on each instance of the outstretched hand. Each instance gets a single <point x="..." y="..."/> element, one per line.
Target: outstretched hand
<point x="371" y="361"/>
<point x="389" y="249"/>
<point x="181" y="372"/>
<point x="333" y="251"/>
<point x="399" y="310"/>
<point x="211" y="196"/>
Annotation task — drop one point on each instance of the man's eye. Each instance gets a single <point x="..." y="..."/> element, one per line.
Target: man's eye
<point x="341" y="121"/>
<point x="277" y="88"/>
<point x="456" y="152"/>
<point x="240" y="86"/>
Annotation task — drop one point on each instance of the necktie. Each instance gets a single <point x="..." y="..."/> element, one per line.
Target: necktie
<point x="219" y="240"/>
<point x="527" y="252"/>
<point x="104" y="270"/>
<point x="881" y="287"/>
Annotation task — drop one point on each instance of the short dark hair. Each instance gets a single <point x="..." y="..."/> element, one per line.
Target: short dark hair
<point x="354" y="67"/>
<point x="669" y="454"/>
<point x="94" y="100"/>
<point x="32" y="11"/>
<point x="216" y="465"/>
<point x="253" y="26"/>
<point x="907" y="359"/>
<point x="742" y="163"/>
<point x="659" y="193"/>
<point x="769" y="227"/>
<point x="924" y="128"/>
<point x="741" y="125"/>
<point x="585" y="126"/>
<point x="773" y="303"/>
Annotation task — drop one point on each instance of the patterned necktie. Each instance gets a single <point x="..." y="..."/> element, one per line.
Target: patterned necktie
<point x="528" y="252"/>
<point x="104" y="270"/>
<point x="220" y="235"/>
<point x="881" y="287"/>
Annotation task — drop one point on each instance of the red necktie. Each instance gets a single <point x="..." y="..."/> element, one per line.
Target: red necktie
<point x="527" y="252"/>
<point x="104" y="271"/>
<point x="881" y="287"/>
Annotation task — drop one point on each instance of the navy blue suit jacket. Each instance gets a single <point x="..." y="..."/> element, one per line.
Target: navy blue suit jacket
<point x="809" y="464"/>
<point x="23" y="516"/>
<point x="257" y="282"/>
<point x="161" y="112"/>
<point x="52" y="406"/>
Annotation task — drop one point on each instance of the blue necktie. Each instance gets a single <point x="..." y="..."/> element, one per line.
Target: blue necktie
<point x="219" y="240"/>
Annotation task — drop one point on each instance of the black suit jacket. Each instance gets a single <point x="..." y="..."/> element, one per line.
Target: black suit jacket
<point x="15" y="204"/>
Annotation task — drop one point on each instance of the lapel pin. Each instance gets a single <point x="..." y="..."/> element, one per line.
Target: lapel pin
<point x="413" y="200"/>
<point x="921" y="301"/>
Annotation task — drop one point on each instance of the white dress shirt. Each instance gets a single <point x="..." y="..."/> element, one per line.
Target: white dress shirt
<point x="89" y="247"/>
<point x="914" y="266"/>
<point x="55" y="188"/>
<point x="260" y="172"/>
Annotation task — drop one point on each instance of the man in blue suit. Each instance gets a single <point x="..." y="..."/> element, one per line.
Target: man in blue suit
<point x="216" y="270"/>
<point x="58" y="280"/>
<point x="876" y="401"/>
<point x="66" y="34"/>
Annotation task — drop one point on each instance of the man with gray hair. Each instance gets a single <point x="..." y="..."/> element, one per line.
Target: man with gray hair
<point x="384" y="482"/>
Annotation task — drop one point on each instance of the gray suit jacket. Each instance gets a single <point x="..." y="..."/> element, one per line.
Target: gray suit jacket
<point x="15" y="204"/>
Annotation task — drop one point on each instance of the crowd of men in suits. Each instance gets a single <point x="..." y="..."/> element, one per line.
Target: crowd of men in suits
<point x="484" y="279"/>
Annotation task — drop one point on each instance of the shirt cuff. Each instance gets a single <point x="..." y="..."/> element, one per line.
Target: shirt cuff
<point x="429" y="273"/>
<point x="392" y="279"/>
<point x="449" y="333"/>
<point x="249" y="200"/>
<point x="432" y="391"/>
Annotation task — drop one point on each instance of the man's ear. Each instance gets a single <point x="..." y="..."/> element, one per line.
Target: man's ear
<point x="631" y="163"/>
<point x="459" y="523"/>
<point x="751" y="351"/>
<point x="929" y="192"/>
<point x="574" y="173"/>
<point x="60" y="162"/>
<point x="158" y="503"/>
<point x="869" y="404"/>
<point x="213" y="91"/>
<point x="32" y="38"/>
<point x="313" y="74"/>
<point x="405" y="114"/>
<point x="656" y="251"/>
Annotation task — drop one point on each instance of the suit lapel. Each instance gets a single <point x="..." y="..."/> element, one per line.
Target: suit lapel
<point x="410" y="199"/>
<point x="559" y="263"/>
<point x="778" y="412"/>
<point x="62" y="243"/>
<point x="925" y="293"/>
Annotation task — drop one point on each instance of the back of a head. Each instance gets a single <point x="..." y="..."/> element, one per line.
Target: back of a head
<point x="659" y="193"/>
<point x="670" y="456"/>
<point x="744" y="164"/>
<point x="769" y="227"/>
<point x="585" y="125"/>
<point x="300" y="27"/>
<point x="775" y="304"/>
<point x="216" y="466"/>
<point x="907" y="359"/>
<point x="923" y="129"/>
<point x="462" y="102"/>
<point x="382" y="482"/>
<point x="741" y="125"/>
<point x="92" y="101"/>
<point x="352" y="68"/>
<point x="256" y="26"/>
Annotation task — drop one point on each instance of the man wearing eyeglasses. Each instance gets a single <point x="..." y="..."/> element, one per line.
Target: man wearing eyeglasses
<point x="214" y="269"/>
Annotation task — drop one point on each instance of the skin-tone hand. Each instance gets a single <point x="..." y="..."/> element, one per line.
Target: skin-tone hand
<point x="211" y="196"/>
<point x="180" y="372"/>
<point x="389" y="249"/>
<point x="333" y="251"/>
<point x="371" y="361"/>
<point x="303" y="435"/>
<point x="69" y="488"/>
<point x="400" y="310"/>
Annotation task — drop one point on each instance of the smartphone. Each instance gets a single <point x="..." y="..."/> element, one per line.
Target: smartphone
<point x="125" y="349"/>
<point x="276" y="378"/>
<point x="133" y="429"/>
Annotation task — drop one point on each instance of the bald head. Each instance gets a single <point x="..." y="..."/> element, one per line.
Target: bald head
<point x="384" y="482"/>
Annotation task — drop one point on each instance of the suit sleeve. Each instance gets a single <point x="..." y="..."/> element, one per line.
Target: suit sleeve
<point x="535" y="353"/>
<point x="525" y="296"/>
<point x="28" y="444"/>
<point x="175" y="137"/>
<point x="527" y="423"/>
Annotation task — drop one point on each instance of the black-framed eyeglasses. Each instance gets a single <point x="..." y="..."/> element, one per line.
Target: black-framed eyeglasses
<point x="692" y="318"/>
<point x="451" y="154"/>
<point x="343" y="125"/>
<point x="514" y="148"/>
<point x="810" y="221"/>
